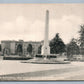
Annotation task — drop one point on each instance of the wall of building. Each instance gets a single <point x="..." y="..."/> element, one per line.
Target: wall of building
<point x="11" y="46"/>
<point x="5" y="46"/>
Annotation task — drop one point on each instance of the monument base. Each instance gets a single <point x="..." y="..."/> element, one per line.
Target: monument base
<point x="49" y="59"/>
<point x="45" y="50"/>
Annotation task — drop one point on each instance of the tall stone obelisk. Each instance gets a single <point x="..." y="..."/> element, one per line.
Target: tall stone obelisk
<point x="45" y="47"/>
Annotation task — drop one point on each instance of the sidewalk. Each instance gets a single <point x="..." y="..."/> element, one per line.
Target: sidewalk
<point x="11" y="67"/>
<point x="15" y="70"/>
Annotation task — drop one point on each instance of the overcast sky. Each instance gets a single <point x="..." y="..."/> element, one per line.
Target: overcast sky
<point x="27" y="21"/>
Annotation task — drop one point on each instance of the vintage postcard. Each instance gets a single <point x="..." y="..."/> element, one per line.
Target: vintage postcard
<point x="41" y="42"/>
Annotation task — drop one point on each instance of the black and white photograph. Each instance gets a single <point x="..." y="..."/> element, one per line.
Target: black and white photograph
<point x="42" y="42"/>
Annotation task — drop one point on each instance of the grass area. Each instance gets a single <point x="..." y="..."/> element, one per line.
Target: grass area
<point x="16" y="58"/>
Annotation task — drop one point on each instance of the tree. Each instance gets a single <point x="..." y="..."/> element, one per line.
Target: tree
<point x="72" y="48"/>
<point x="39" y="49"/>
<point x="81" y="39"/>
<point x="57" y="46"/>
<point x="0" y="47"/>
<point x="29" y="49"/>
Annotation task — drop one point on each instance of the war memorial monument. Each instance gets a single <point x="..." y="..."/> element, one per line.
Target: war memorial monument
<point x="45" y="56"/>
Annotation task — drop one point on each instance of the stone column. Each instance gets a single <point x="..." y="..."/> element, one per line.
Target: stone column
<point x="45" y="47"/>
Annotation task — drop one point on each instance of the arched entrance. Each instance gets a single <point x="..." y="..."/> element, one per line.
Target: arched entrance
<point x="19" y="50"/>
<point x="29" y="49"/>
<point x="5" y="51"/>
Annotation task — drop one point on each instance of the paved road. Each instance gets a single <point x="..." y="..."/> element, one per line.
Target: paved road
<point x="15" y="70"/>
